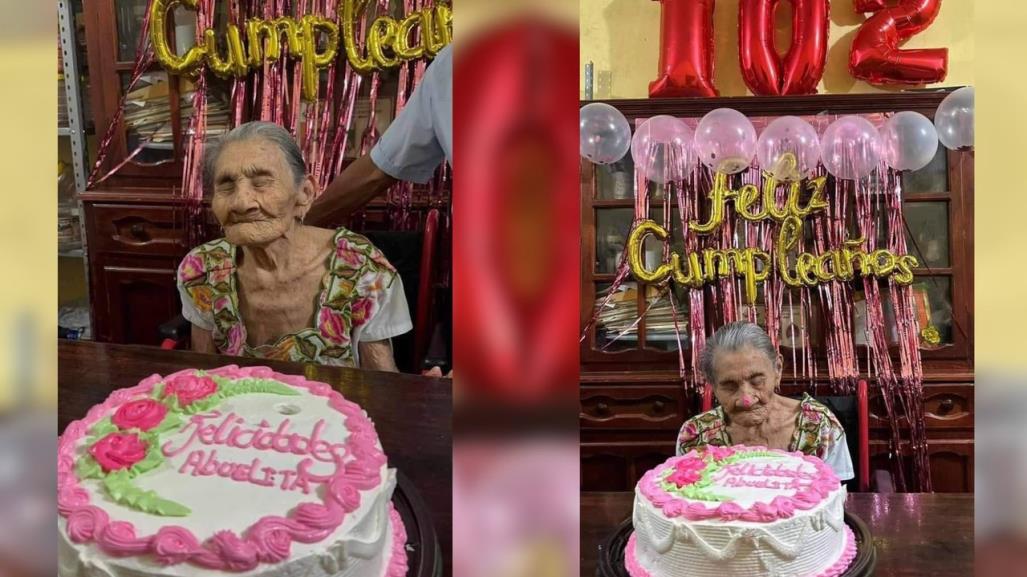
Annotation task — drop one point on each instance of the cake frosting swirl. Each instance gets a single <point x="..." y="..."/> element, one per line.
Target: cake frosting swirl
<point x="239" y="470"/>
<point x="734" y="511"/>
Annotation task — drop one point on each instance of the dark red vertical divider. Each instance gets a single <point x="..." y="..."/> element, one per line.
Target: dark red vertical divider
<point x="516" y="250"/>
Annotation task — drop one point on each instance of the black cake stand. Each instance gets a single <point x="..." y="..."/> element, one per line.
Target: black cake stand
<point x="424" y="558"/>
<point x="611" y="550"/>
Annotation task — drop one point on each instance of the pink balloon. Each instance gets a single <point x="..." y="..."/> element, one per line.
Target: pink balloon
<point x="789" y="134"/>
<point x="662" y="149"/>
<point x="849" y="148"/>
<point x="725" y="140"/>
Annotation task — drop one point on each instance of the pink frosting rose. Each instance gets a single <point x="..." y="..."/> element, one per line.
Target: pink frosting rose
<point x="319" y="516"/>
<point x="71" y="497"/>
<point x="118" y="451"/>
<point x="271" y="536"/>
<point x="142" y="414"/>
<point x="236" y="554"/>
<point x="730" y="511"/>
<point x="687" y="471"/>
<point x="719" y="453"/>
<point x="345" y="493"/>
<point x="85" y="523"/>
<point x="189" y="388"/>
<point x="173" y="545"/>
<point x="118" y="538"/>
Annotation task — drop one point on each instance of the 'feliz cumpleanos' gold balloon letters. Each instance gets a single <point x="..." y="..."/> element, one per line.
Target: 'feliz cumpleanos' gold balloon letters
<point x="754" y="264"/>
<point x="314" y="40"/>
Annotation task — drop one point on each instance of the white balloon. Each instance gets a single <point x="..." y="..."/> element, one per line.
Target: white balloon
<point x="908" y="141"/>
<point x="603" y="132"/>
<point x="954" y="119"/>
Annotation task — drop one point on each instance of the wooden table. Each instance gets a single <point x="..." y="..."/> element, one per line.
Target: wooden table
<point x="412" y="414"/>
<point x="916" y="534"/>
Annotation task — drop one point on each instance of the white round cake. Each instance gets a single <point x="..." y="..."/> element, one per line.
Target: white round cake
<point x="739" y="511"/>
<point x="229" y="470"/>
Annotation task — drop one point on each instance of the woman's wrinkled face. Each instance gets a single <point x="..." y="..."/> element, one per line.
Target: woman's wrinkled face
<point x="256" y="198"/>
<point x="745" y="382"/>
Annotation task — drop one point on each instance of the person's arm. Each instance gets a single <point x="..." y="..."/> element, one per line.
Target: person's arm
<point x="201" y="340"/>
<point x="377" y="356"/>
<point x="357" y="185"/>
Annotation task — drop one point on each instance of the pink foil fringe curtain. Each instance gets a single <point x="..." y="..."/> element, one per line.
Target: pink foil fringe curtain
<point x="870" y="208"/>
<point x="273" y="93"/>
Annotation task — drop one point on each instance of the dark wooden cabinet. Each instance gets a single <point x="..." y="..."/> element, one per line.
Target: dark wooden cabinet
<point x="632" y="400"/>
<point x="141" y="295"/>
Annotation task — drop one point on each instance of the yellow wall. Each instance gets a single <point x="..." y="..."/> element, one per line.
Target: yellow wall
<point x="622" y="39"/>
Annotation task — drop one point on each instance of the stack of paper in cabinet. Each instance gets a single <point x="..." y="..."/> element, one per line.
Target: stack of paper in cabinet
<point x="148" y="110"/>
<point x="621" y="313"/>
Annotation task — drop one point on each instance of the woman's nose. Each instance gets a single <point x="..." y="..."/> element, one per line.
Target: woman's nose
<point x="747" y="401"/>
<point x="244" y="199"/>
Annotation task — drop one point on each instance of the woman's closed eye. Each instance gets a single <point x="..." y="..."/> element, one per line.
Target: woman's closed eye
<point x="262" y="182"/>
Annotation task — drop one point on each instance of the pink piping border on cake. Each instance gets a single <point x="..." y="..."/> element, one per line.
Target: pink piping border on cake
<point x="780" y="507"/>
<point x="398" y="560"/>
<point x="635" y="568"/>
<point x="269" y="539"/>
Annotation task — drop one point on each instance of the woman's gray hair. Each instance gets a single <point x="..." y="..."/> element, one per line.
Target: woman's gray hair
<point x="732" y="337"/>
<point x="256" y="129"/>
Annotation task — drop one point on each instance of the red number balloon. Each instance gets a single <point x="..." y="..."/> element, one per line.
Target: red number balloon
<point x="875" y="55"/>
<point x="764" y="71"/>
<point x="686" y="49"/>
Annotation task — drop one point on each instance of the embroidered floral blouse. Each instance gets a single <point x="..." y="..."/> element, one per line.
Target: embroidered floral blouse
<point x="817" y="432"/>
<point x="361" y="299"/>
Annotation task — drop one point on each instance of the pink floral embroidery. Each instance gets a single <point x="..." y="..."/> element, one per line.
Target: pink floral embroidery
<point x="345" y="255"/>
<point x="191" y="268"/>
<point x="360" y="311"/>
<point x="235" y="339"/>
<point x="333" y="326"/>
<point x="189" y="388"/>
<point x="142" y="414"/>
<point x="118" y="451"/>
<point x="222" y="303"/>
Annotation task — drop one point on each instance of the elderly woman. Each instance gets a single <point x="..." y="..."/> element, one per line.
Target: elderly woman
<point x="744" y="369"/>
<point x="273" y="287"/>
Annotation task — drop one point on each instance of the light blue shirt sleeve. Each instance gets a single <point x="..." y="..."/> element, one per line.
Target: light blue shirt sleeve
<point x="838" y="457"/>
<point x="421" y="137"/>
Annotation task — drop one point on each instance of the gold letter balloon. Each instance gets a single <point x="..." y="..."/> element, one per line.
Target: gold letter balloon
<point x="388" y="43"/>
<point x="753" y="264"/>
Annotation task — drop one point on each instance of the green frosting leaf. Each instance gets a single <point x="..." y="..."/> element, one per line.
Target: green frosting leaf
<point x="154" y="458"/>
<point x="121" y="490"/>
<point x="158" y="390"/>
<point x="103" y="428"/>
<point x="171" y="421"/>
<point x="88" y="468"/>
